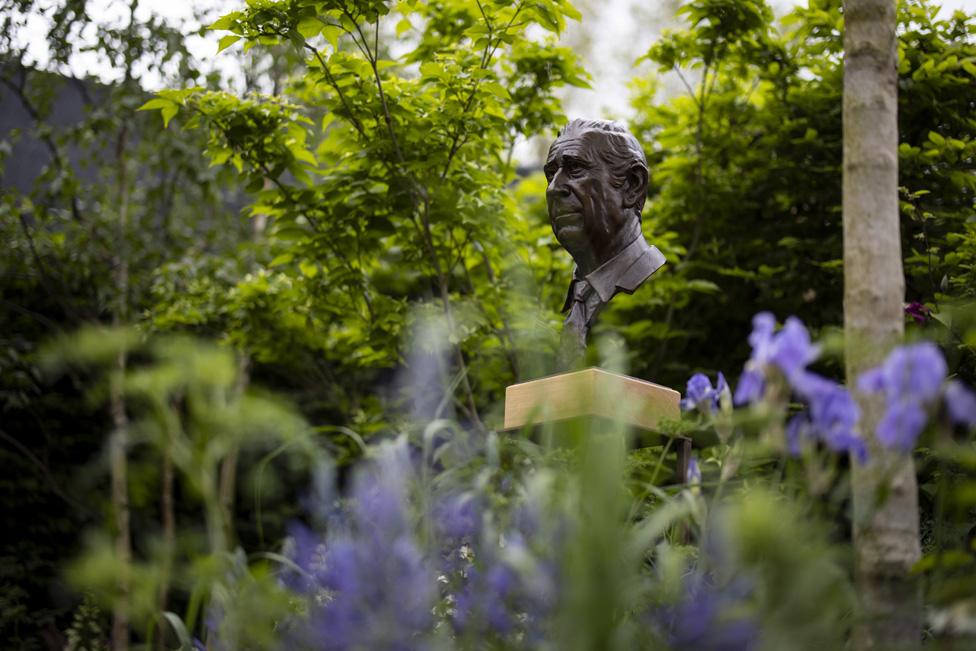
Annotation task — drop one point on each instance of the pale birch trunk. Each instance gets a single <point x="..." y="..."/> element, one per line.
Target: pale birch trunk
<point x="886" y="529"/>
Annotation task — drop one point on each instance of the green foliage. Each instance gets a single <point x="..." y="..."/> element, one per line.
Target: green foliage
<point x="384" y="177"/>
<point x="116" y="197"/>
<point x="87" y="632"/>
<point x="384" y="219"/>
<point x="190" y="410"/>
<point x="746" y="179"/>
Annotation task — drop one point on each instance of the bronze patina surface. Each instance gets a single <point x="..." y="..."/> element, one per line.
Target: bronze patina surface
<point x="597" y="175"/>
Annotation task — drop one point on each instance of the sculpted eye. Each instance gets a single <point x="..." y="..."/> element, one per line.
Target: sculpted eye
<point x="573" y="168"/>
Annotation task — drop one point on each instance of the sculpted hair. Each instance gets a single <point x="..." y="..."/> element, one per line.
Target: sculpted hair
<point x="621" y="153"/>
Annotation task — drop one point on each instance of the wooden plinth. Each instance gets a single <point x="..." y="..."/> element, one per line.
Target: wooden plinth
<point x="590" y="392"/>
<point x="592" y="396"/>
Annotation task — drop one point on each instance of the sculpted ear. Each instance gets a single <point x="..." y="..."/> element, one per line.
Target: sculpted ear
<point x="635" y="186"/>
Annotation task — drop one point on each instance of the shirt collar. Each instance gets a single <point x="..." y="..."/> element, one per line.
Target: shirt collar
<point x="604" y="278"/>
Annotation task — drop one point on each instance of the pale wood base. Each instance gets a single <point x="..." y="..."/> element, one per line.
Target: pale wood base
<point x="592" y="396"/>
<point x="590" y="392"/>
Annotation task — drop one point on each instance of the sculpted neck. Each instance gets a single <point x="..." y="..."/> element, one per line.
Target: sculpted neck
<point x="604" y="250"/>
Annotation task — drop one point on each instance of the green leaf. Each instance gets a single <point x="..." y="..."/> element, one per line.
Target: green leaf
<point x="226" y="41"/>
<point x="304" y="155"/>
<point x="225" y="22"/>
<point x="569" y="11"/>
<point x="937" y="139"/>
<point x="282" y="259"/>
<point x="496" y="89"/>
<point x="168" y="112"/>
<point x="309" y="27"/>
<point x="308" y="269"/>
<point x="179" y="628"/>
<point x="332" y="34"/>
<point x="156" y="103"/>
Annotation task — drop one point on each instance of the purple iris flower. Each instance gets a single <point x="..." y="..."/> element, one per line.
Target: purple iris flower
<point x="901" y="425"/>
<point x="914" y="372"/>
<point x="961" y="404"/>
<point x="694" y="471"/>
<point x="763" y="325"/>
<point x="832" y="417"/>
<point x="700" y="395"/>
<point x="796" y="430"/>
<point x="918" y="311"/>
<point x="792" y="349"/>
<point x="751" y="387"/>
<point x="911" y="378"/>
<point x="789" y="350"/>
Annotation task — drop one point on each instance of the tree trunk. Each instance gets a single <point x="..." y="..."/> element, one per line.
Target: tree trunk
<point x="886" y="533"/>
<point x="227" y="483"/>
<point x="120" y="437"/>
<point x="169" y="530"/>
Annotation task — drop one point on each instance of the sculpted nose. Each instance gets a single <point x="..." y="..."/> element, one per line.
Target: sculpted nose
<point x="557" y="186"/>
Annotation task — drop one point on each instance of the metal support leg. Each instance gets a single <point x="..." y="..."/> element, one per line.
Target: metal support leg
<point x="682" y="459"/>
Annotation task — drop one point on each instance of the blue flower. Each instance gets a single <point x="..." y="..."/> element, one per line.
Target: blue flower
<point x="792" y="350"/>
<point x="458" y="517"/>
<point x="751" y="387"/>
<point x="919" y="312"/>
<point x="901" y="425"/>
<point x="506" y="586"/>
<point x="834" y="415"/>
<point x="694" y="471"/>
<point x="369" y="584"/>
<point x="911" y="378"/>
<point x="832" y="418"/>
<point x="961" y="404"/>
<point x="380" y="490"/>
<point x="700" y="395"/>
<point x="789" y="351"/>
<point x="699" y="621"/>
<point x="306" y="549"/>
<point x="493" y="598"/>
<point x="915" y="373"/>
<point x="796" y="430"/>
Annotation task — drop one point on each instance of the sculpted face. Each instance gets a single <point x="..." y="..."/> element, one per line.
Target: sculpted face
<point x="588" y="215"/>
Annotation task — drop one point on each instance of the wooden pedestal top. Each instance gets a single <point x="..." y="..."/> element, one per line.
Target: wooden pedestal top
<point x="590" y="392"/>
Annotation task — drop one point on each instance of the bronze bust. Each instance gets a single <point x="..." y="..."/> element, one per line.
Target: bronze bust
<point x="597" y="175"/>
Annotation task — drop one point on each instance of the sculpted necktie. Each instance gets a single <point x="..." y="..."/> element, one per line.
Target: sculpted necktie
<point x="580" y="311"/>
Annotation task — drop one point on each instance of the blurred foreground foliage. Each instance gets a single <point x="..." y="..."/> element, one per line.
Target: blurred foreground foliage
<point x="445" y="538"/>
<point x="392" y="273"/>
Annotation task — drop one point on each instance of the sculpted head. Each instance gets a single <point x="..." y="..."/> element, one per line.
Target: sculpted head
<point x="597" y="175"/>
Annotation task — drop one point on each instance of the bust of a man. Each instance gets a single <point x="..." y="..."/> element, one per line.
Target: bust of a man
<point x="597" y="175"/>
